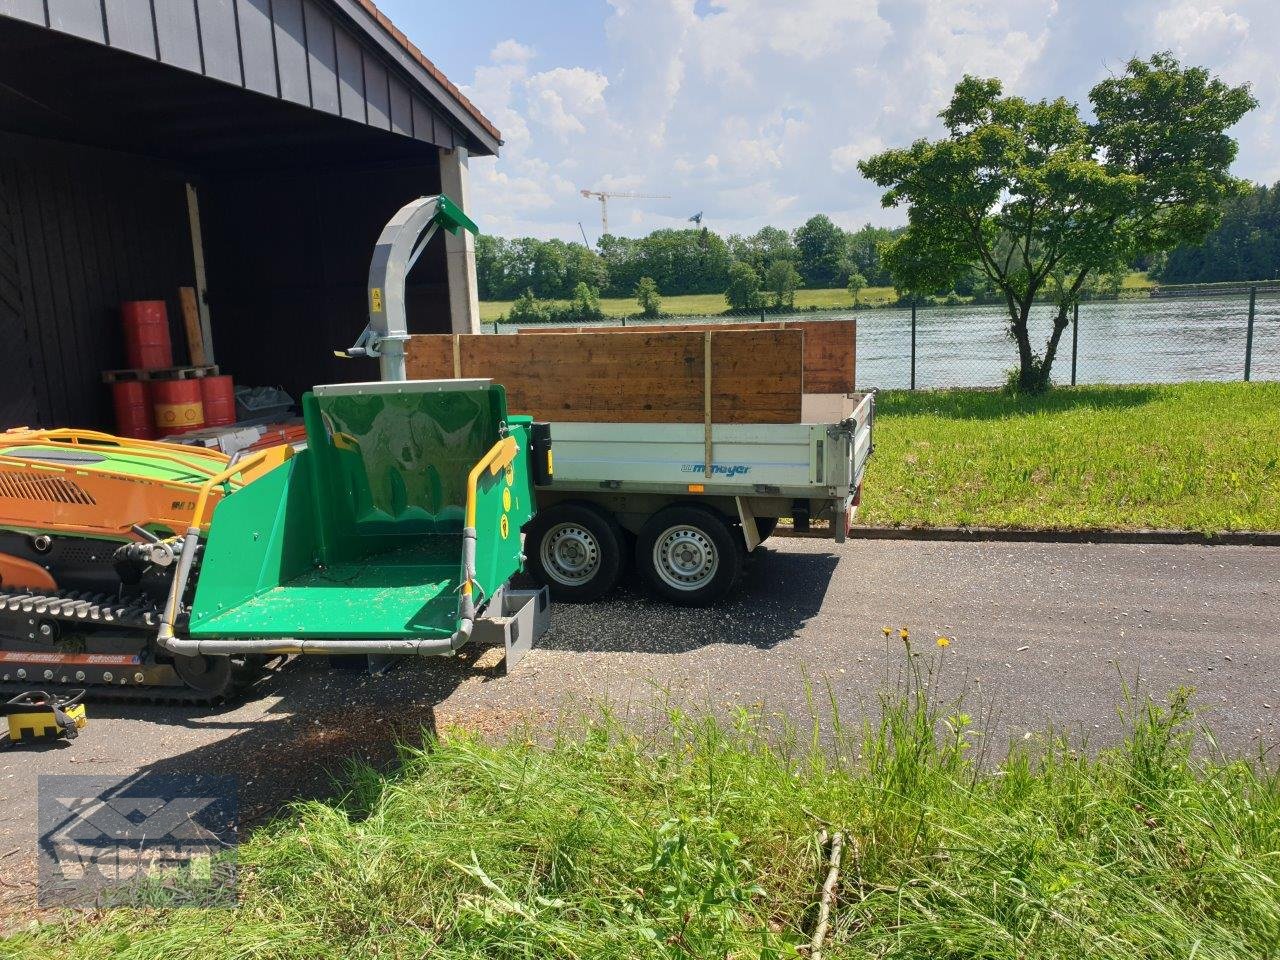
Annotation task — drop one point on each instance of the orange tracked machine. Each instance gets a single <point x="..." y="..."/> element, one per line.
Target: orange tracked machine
<point x="90" y="528"/>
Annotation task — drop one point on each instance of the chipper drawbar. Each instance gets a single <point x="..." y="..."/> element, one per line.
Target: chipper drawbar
<point x="176" y="573"/>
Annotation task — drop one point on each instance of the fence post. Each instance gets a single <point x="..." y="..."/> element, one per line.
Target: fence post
<point x="1248" y="340"/>
<point x="762" y="314"/>
<point x="1075" y="340"/>
<point x="913" y="343"/>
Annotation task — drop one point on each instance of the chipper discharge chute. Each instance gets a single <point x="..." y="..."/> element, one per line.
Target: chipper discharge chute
<point x="395" y="531"/>
<point x="90" y="531"/>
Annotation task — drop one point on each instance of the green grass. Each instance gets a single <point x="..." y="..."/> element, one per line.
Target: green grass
<point x="1198" y="456"/>
<point x="698" y="841"/>
<point x="711" y="304"/>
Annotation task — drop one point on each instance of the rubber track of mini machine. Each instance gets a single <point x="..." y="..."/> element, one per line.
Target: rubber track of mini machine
<point x="100" y="608"/>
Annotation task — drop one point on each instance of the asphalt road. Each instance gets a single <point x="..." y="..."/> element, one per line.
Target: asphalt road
<point x="1045" y="634"/>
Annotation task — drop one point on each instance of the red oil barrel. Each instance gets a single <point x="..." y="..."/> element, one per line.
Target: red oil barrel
<point x="218" y="394"/>
<point x="133" y="410"/>
<point x="177" y="405"/>
<point x="146" y="334"/>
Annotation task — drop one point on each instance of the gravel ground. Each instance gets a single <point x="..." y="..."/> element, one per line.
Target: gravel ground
<point x="1044" y="634"/>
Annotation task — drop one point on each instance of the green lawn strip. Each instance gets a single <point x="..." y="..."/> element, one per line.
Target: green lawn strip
<point x="713" y="304"/>
<point x="699" y="841"/>
<point x="1202" y="456"/>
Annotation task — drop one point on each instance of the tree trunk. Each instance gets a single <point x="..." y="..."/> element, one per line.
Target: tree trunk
<point x="1026" y="359"/>
<point x="1051" y="348"/>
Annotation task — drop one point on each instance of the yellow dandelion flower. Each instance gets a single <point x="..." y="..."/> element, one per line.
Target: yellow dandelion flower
<point x="944" y="641"/>
<point x="886" y="630"/>
<point x="904" y="633"/>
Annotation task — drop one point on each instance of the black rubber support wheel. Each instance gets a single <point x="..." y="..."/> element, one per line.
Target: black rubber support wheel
<point x="688" y="554"/>
<point x="576" y="550"/>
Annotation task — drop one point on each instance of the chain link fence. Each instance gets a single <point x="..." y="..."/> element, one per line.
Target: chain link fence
<point x="1176" y="334"/>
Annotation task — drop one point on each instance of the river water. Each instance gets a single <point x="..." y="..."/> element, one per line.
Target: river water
<point x="1124" y="341"/>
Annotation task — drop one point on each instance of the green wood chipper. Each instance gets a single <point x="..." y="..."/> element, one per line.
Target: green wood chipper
<point x="389" y="534"/>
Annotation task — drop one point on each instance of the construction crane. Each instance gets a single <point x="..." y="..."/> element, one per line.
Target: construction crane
<point x="604" y="197"/>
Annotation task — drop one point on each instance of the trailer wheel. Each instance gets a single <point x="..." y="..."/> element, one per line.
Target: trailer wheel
<point x="575" y="549"/>
<point x="688" y="555"/>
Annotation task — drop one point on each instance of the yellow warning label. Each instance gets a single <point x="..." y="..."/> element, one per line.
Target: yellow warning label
<point x="504" y="526"/>
<point x="551" y="467"/>
<point x="375" y="300"/>
<point x="506" y="498"/>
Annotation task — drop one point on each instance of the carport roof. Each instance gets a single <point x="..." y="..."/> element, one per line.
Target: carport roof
<point x="343" y="58"/>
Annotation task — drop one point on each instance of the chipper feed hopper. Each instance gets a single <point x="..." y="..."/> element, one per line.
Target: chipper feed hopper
<point x="395" y="531"/>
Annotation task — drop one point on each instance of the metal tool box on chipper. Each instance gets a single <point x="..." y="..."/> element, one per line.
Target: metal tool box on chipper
<point x="147" y="569"/>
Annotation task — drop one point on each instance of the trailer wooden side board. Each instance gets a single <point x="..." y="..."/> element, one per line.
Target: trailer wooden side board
<point x="830" y="346"/>
<point x="755" y="375"/>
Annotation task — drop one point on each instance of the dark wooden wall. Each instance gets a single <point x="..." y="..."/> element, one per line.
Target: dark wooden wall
<point x="80" y="230"/>
<point x="287" y="258"/>
<point x="288" y="261"/>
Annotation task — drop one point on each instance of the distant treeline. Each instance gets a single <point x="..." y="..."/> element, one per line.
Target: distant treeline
<point x="1245" y="247"/>
<point x="680" y="261"/>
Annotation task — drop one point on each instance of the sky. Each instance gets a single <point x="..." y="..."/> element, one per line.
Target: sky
<point x="756" y="112"/>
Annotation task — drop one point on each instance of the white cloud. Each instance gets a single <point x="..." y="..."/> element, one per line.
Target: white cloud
<point x="512" y="51"/>
<point x="563" y="99"/>
<point x="758" y="111"/>
<point x="845" y="157"/>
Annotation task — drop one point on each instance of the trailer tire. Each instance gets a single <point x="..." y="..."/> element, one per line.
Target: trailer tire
<point x="575" y="550"/>
<point x="689" y="555"/>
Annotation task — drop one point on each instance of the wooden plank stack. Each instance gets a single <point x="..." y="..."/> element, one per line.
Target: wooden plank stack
<point x="755" y="375"/>
<point x="829" y="345"/>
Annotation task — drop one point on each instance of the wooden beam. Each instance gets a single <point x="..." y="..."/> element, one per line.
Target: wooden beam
<point x="191" y="323"/>
<point x="197" y="257"/>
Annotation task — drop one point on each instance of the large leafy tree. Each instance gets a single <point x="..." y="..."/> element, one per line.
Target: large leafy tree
<point x="1245" y="247"/>
<point x="1042" y="200"/>
<point x="823" y="252"/>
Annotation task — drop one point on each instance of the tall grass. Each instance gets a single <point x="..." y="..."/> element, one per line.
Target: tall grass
<point x="698" y="840"/>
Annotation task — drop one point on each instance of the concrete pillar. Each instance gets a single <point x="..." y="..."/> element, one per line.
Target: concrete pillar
<point x="460" y="250"/>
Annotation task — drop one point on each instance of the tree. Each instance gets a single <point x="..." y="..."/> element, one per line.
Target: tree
<point x="822" y="248"/>
<point x="863" y="252"/>
<point x="743" y="291"/>
<point x="857" y="283"/>
<point x="1041" y="200"/>
<point x="528" y="309"/>
<point x="648" y="298"/>
<point x="1245" y="247"/>
<point x="781" y="281"/>
<point x="763" y="247"/>
<point x="584" y="305"/>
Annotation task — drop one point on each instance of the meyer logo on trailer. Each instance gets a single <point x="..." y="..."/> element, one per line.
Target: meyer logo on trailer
<point x="717" y="469"/>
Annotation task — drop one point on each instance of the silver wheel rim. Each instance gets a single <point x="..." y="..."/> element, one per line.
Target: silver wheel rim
<point x="570" y="554"/>
<point x="685" y="558"/>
